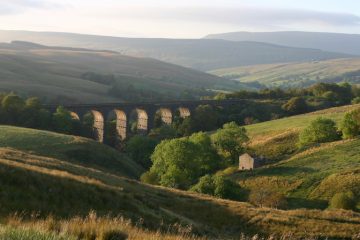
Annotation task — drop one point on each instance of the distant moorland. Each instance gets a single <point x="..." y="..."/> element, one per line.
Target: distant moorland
<point x="201" y="54"/>
<point x="295" y="74"/>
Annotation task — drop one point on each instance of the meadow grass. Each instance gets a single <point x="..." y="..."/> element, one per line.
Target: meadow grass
<point x="70" y="148"/>
<point x="39" y="180"/>
<point x="309" y="178"/>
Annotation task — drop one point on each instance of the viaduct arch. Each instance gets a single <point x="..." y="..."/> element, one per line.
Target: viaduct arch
<point x="145" y="113"/>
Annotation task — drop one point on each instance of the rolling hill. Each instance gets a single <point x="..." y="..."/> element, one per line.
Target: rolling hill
<point x="310" y="178"/>
<point x="295" y="74"/>
<point x="201" y="54"/>
<point x="59" y="74"/>
<point x="37" y="177"/>
<point x="334" y="42"/>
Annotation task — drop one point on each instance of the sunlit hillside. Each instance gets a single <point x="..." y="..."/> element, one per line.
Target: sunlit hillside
<point x="295" y="74"/>
<point x="40" y="173"/>
<point x="308" y="178"/>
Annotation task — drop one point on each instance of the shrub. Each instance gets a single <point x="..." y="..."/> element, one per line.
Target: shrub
<point x="149" y="178"/>
<point x="295" y="105"/>
<point x="343" y="201"/>
<point x="350" y="125"/>
<point x="140" y="149"/>
<point x="319" y="131"/>
<point x="356" y="100"/>
<point x="217" y="186"/>
<point x="205" y="185"/>
<point x="263" y="197"/>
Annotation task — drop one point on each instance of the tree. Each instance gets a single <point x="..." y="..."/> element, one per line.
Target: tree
<point x="140" y="149"/>
<point x="217" y="186"/>
<point x="355" y="100"/>
<point x="295" y="105"/>
<point x="62" y="121"/>
<point x="204" y="186"/>
<point x="350" y="125"/>
<point x="163" y="132"/>
<point x="34" y="116"/>
<point x="229" y="141"/>
<point x="343" y="201"/>
<point x="205" y="118"/>
<point x="319" y="131"/>
<point x="175" y="163"/>
<point x="209" y="159"/>
<point x="265" y="197"/>
<point x="12" y="107"/>
<point x="178" y="163"/>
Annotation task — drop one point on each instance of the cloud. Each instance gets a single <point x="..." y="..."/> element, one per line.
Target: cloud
<point x="255" y="16"/>
<point x="241" y="16"/>
<point x="9" y="7"/>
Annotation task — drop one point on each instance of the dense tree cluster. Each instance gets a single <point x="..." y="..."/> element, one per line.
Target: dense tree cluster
<point x="182" y="162"/>
<point x="30" y="113"/>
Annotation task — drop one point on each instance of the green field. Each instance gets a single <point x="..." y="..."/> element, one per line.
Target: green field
<point x="308" y="178"/>
<point x="49" y="173"/>
<point x="291" y="74"/>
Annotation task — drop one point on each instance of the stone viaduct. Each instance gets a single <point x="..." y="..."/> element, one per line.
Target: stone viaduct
<point x="144" y="113"/>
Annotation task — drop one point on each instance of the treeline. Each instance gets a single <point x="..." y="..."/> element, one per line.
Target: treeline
<point x="287" y="102"/>
<point x="30" y="113"/>
<point x="341" y="93"/>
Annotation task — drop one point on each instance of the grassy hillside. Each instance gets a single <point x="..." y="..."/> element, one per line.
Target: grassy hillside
<point x="67" y="150"/>
<point x="201" y="54"/>
<point x="293" y="74"/>
<point x="58" y="74"/>
<point x="36" y="176"/>
<point x="308" y="178"/>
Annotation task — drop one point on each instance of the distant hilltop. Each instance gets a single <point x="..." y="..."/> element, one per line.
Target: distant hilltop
<point x="333" y="42"/>
<point x="200" y="54"/>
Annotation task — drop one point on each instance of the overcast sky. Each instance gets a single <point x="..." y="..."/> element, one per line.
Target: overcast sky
<point x="179" y="19"/>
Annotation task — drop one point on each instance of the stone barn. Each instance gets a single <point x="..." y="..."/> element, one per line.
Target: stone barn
<point x="248" y="162"/>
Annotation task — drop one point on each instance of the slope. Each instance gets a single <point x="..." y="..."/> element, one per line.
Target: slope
<point x="67" y="148"/>
<point x="46" y="184"/>
<point x="308" y="178"/>
<point x="334" y="42"/>
<point x="58" y="74"/>
<point x="295" y="74"/>
<point x="201" y="54"/>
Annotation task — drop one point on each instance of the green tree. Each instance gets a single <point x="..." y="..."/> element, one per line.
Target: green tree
<point x="295" y="105"/>
<point x="343" y="201"/>
<point x="355" y="100"/>
<point x="177" y="163"/>
<point x="319" y="131"/>
<point x="350" y="125"/>
<point x="140" y="149"/>
<point x="163" y="132"/>
<point x="209" y="159"/>
<point x="87" y="125"/>
<point x="230" y="141"/>
<point x="206" y="118"/>
<point x="62" y="121"/>
<point x="205" y="185"/>
<point x="34" y="116"/>
<point x="12" y="107"/>
<point x="217" y="186"/>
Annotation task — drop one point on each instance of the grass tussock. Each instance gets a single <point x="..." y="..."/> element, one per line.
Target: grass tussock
<point x="93" y="227"/>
